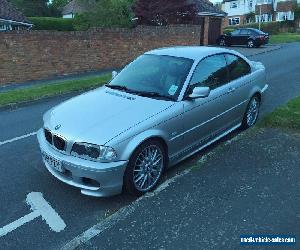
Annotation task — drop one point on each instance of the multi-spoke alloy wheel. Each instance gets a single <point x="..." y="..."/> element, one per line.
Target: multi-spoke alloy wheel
<point x="250" y="44"/>
<point x="145" y="168"/>
<point x="252" y="112"/>
<point x="148" y="168"/>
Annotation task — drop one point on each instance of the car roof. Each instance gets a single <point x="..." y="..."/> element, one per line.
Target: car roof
<point x="190" y="52"/>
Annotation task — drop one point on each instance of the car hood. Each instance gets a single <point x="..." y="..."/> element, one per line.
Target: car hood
<point x="100" y="115"/>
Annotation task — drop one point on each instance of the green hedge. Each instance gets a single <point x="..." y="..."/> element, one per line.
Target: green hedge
<point x="52" y="23"/>
<point x="270" y="27"/>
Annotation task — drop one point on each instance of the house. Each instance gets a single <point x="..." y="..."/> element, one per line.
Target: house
<point x="11" y="18"/>
<point x="77" y="7"/>
<point x="246" y="11"/>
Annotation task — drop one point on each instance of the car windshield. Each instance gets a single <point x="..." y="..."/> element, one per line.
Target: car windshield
<point x="154" y="76"/>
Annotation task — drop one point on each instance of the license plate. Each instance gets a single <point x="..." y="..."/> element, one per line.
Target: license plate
<point x="54" y="163"/>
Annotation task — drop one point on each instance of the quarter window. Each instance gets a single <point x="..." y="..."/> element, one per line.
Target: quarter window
<point x="237" y="67"/>
<point x="211" y="72"/>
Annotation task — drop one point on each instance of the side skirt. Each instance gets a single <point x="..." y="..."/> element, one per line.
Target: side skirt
<point x="204" y="146"/>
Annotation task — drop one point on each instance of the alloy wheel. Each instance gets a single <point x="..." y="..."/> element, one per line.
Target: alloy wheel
<point x="148" y="168"/>
<point x="252" y="112"/>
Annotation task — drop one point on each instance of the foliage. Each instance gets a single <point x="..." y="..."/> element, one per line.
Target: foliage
<point x="59" y="3"/>
<point x="154" y="12"/>
<point x="269" y="27"/>
<point x="107" y="13"/>
<point x="35" y="8"/>
<point x="250" y="17"/>
<point x="52" y="23"/>
<point x="297" y="13"/>
<point x="287" y="116"/>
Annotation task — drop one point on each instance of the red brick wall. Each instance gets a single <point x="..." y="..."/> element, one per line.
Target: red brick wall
<point x="33" y="55"/>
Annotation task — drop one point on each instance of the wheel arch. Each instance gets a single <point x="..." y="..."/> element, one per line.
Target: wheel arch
<point x="141" y="138"/>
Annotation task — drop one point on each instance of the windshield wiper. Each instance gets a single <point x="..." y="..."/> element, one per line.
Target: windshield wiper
<point x="118" y="87"/>
<point x="153" y="94"/>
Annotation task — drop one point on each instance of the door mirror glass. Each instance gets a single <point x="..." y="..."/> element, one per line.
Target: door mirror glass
<point x="114" y="74"/>
<point x="200" y="92"/>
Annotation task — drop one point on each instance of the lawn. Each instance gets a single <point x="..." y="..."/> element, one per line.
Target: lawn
<point x="287" y="116"/>
<point x="53" y="89"/>
<point x="285" y="38"/>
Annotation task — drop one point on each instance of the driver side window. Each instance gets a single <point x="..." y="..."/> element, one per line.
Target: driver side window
<point x="210" y="72"/>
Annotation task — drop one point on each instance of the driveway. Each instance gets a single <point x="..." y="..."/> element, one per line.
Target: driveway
<point x="23" y="173"/>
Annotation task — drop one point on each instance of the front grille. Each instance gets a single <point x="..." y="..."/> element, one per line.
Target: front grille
<point x="59" y="143"/>
<point x="55" y="140"/>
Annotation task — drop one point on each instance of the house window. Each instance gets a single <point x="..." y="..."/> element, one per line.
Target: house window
<point x="234" y="20"/>
<point x="264" y="18"/>
<point x="233" y="5"/>
<point x="283" y="16"/>
<point x="2" y="27"/>
<point x="250" y="3"/>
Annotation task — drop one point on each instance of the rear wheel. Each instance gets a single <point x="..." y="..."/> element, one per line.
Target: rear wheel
<point x="145" y="168"/>
<point x="252" y="111"/>
<point x="222" y="42"/>
<point x="250" y="44"/>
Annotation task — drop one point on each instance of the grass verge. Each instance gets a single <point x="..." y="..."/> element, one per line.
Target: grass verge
<point x="287" y="116"/>
<point x="285" y="38"/>
<point x="53" y="89"/>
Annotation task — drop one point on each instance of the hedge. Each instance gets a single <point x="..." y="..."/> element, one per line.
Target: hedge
<point x="270" y="27"/>
<point x="52" y="23"/>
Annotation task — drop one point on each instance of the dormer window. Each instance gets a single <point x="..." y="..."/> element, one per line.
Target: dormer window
<point x="233" y="5"/>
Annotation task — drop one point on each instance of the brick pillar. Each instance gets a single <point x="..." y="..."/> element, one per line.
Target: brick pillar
<point x="206" y="29"/>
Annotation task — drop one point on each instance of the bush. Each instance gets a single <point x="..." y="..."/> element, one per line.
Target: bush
<point x="52" y="23"/>
<point x="270" y="27"/>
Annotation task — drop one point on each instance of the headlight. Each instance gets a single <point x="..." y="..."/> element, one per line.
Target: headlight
<point x="93" y="152"/>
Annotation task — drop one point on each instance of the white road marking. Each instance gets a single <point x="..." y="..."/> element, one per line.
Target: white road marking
<point x="17" y="138"/>
<point x="116" y="217"/>
<point x="39" y="207"/>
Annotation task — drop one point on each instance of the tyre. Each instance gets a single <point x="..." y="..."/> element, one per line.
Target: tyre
<point x="252" y="112"/>
<point x="250" y="44"/>
<point x="145" y="168"/>
<point x="222" y="42"/>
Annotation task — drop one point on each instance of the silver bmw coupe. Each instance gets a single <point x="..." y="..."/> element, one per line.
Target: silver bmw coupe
<point x="161" y="108"/>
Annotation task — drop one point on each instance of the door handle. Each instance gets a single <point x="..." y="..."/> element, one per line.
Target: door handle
<point x="230" y="90"/>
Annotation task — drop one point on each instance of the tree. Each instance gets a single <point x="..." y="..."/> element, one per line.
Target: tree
<point x="59" y="3"/>
<point x="106" y="13"/>
<point x="35" y="8"/>
<point x="32" y="8"/>
<point x="154" y="12"/>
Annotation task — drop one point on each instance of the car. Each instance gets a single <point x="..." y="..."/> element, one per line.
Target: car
<point x="161" y="108"/>
<point x="247" y="36"/>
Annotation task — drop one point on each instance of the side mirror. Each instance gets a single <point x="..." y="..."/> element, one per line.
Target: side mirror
<point x="200" y="92"/>
<point x="114" y="74"/>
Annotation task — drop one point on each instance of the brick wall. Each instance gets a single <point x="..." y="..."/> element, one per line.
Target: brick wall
<point x="33" y="55"/>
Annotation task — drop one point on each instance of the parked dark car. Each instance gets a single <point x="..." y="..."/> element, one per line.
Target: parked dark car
<point x="247" y="36"/>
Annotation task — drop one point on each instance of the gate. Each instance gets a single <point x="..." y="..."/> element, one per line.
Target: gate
<point x="214" y="30"/>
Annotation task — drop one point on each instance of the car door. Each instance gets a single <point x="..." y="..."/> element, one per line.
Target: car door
<point x="244" y="36"/>
<point x="235" y="37"/>
<point x="239" y="85"/>
<point x="206" y="118"/>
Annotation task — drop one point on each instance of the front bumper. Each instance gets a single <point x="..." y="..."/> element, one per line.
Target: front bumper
<point x="93" y="178"/>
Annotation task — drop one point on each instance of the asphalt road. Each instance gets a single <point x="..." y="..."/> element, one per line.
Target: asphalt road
<point x="23" y="171"/>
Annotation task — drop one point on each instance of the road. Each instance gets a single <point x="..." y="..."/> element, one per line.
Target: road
<point x="23" y="171"/>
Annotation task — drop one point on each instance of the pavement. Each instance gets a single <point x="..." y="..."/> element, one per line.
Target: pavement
<point x="249" y="185"/>
<point x="93" y="220"/>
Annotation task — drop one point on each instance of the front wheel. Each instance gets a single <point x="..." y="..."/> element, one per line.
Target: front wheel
<point x="251" y="114"/>
<point x="145" y="168"/>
